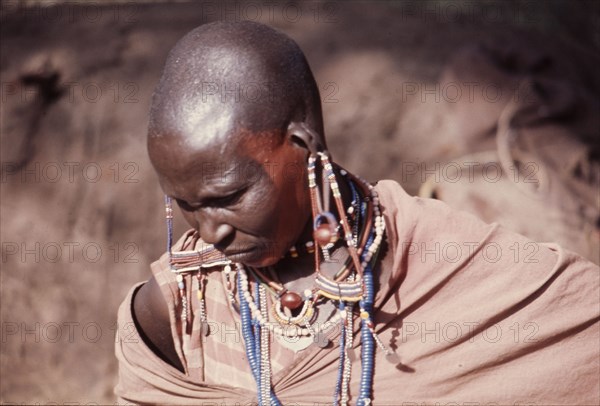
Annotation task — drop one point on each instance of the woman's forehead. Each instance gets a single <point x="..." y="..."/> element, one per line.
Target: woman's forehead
<point x="202" y="177"/>
<point x="239" y="144"/>
<point x="226" y="163"/>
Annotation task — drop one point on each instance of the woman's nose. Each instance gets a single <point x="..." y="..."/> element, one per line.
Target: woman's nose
<point x="212" y="229"/>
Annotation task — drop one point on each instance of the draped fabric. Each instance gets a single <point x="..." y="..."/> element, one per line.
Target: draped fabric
<point x="477" y="314"/>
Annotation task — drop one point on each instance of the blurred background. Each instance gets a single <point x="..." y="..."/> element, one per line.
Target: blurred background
<point x="490" y="106"/>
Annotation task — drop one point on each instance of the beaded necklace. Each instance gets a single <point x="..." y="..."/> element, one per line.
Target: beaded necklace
<point x="256" y="342"/>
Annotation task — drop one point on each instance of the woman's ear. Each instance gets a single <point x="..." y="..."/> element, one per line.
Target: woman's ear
<point x="301" y="134"/>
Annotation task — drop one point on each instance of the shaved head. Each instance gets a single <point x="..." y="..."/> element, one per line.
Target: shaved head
<point x="234" y="117"/>
<point x="233" y="77"/>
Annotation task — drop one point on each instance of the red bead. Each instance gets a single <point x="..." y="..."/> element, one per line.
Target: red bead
<point x="323" y="234"/>
<point x="291" y="300"/>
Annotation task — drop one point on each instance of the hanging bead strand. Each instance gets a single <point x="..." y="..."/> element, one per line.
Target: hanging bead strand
<point x="349" y="327"/>
<point x="204" y="327"/>
<point x="257" y="345"/>
<point x="246" y="318"/>
<point x="342" y="361"/>
<point x="169" y="220"/>
<point x="265" y="361"/>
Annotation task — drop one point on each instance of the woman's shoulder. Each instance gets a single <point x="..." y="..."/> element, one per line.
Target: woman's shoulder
<point x="152" y="302"/>
<point x="151" y="315"/>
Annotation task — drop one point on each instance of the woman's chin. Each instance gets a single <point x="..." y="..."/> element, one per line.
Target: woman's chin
<point x="260" y="261"/>
<point x="259" y="264"/>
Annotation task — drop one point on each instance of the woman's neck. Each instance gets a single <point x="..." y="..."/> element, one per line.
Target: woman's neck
<point x="298" y="273"/>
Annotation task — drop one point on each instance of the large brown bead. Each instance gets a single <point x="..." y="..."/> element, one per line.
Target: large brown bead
<point x="291" y="300"/>
<point x="322" y="234"/>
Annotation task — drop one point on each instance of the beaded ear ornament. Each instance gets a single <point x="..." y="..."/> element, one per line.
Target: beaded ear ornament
<point x="190" y="266"/>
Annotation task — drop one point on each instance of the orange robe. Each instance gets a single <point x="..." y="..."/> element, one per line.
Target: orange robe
<point x="478" y="315"/>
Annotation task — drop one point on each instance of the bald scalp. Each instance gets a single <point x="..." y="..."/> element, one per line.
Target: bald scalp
<point x="237" y="76"/>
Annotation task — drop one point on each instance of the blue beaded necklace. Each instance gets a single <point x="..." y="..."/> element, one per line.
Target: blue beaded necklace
<point x="251" y="332"/>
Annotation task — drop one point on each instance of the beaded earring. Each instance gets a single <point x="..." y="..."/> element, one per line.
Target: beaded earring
<point x="196" y="261"/>
<point x="337" y="289"/>
<point x="179" y="275"/>
<point x="324" y="222"/>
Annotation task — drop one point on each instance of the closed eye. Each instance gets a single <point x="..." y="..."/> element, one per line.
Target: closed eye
<point x="226" y="201"/>
<point x="215" y="202"/>
<point x="185" y="206"/>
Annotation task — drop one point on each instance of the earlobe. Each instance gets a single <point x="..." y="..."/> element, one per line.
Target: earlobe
<point x="301" y="134"/>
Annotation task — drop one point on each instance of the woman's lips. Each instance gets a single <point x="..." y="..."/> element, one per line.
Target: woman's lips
<point x="252" y="254"/>
<point x="241" y="255"/>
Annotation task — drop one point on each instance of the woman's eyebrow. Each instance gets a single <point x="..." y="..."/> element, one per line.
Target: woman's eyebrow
<point x="238" y="172"/>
